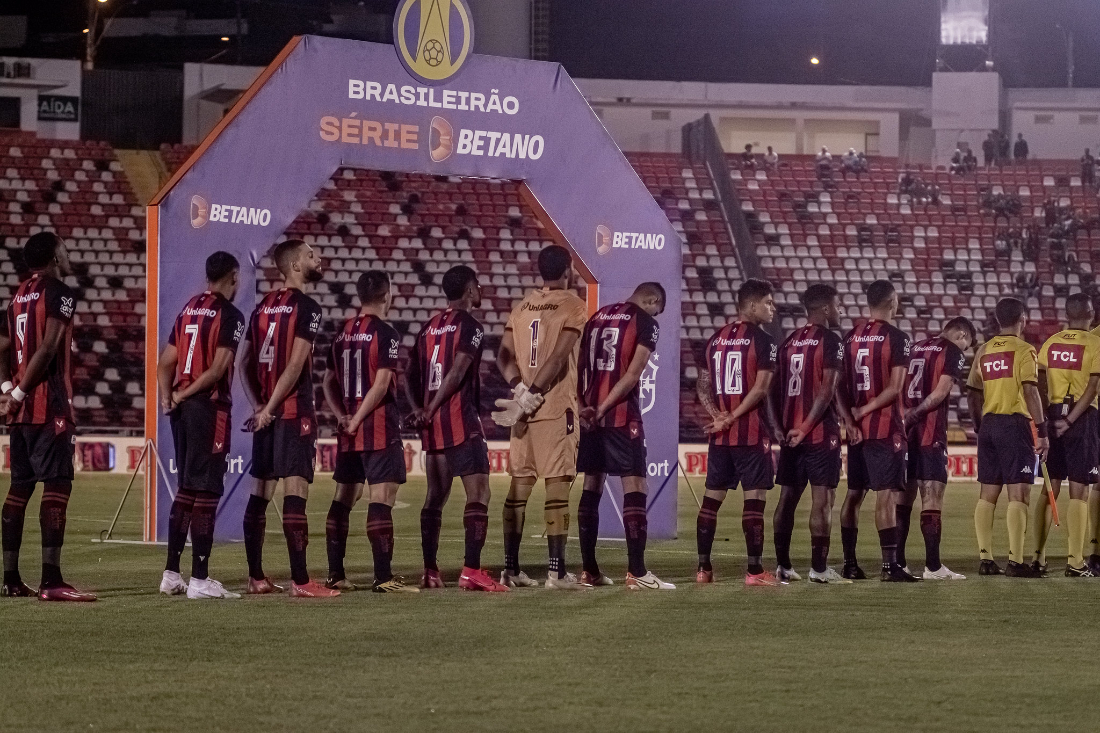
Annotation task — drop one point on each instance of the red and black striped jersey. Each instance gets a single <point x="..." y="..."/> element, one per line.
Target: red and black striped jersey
<point x="736" y="354"/>
<point x="871" y="351"/>
<point x="928" y="361"/>
<point x="443" y="338"/>
<point x="611" y="338"/>
<point x="282" y="316"/>
<point x="800" y="376"/>
<point x="363" y="346"/>
<point x="38" y="299"/>
<point x="208" y="322"/>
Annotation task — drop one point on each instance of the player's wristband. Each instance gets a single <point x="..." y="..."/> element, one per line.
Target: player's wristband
<point x="1041" y="429"/>
<point x="18" y="395"/>
<point x="513" y="382"/>
<point x="6" y="387"/>
<point x="535" y="390"/>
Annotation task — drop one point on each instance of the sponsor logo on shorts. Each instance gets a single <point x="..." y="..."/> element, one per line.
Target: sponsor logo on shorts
<point x="1027" y="470"/>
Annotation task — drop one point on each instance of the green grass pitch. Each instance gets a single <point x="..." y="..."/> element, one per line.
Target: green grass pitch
<point x="983" y="654"/>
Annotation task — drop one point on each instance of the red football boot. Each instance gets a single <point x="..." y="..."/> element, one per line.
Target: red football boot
<point x="262" y="587"/>
<point x="704" y="576"/>
<point x="312" y="589"/>
<point x="430" y="579"/>
<point x="480" y="580"/>
<point x="65" y="592"/>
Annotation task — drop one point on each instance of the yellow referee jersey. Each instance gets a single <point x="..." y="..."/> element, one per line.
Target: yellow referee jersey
<point x="1069" y="357"/>
<point x="1002" y="366"/>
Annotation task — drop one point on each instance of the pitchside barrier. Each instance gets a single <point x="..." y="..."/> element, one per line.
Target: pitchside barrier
<point x="123" y="455"/>
<point x="326" y="103"/>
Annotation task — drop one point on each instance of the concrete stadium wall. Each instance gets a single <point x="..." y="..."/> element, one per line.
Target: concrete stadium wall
<point x="59" y="77"/>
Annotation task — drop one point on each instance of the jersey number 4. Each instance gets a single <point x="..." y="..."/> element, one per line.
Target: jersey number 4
<point x="267" y="351"/>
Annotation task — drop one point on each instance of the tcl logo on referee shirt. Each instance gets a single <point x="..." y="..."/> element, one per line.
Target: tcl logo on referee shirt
<point x="1066" y="356"/>
<point x="998" y="366"/>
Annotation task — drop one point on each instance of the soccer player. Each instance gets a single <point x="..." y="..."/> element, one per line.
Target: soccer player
<point x="804" y="390"/>
<point x="1003" y="391"/>
<point x="1069" y="373"/>
<point x="37" y="403"/>
<point x="935" y="365"/>
<point x="278" y="379"/>
<point x="538" y="354"/>
<point x="740" y="362"/>
<point x="360" y="386"/>
<point x="615" y="347"/>
<point x="194" y="378"/>
<point x="444" y="387"/>
<point x="875" y="357"/>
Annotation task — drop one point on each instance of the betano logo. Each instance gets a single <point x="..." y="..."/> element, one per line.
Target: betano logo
<point x="441" y="141"/>
<point x="202" y="212"/>
<point x="607" y="240"/>
<point x="435" y="47"/>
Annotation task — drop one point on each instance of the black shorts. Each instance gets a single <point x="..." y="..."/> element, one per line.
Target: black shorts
<point x="41" y="453"/>
<point x="613" y="451"/>
<point x="1006" y="450"/>
<point x="1075" y="455"/>
<point x="200" y="432"/>
<point x="877" y="465"/>
<point x="384" y="466"/>
<point x="927" y="462"/>
<point x="285" y="448"/>
<point x="750" y="466"/>
<point x="465" y="459"/>
<point x="816" y="465"/>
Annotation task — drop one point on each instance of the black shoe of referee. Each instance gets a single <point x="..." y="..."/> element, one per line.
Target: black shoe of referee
<point x="1021" y="570"/>
<point x="989" y="567"/>
<point x="852" y="571"/>
<point x="896" y="574"/>
<point x="1039" y="568"/>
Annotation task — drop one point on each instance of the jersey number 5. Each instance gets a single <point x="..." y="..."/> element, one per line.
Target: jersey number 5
<point x="863" y="371"/>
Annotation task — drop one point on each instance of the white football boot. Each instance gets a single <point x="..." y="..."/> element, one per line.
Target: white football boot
<point x="649" y="581"/>
<point x="944" y="573"/>
<point x="171" y="584"/>
<point x="208" y="588"/>
<point x="829" y="576"/>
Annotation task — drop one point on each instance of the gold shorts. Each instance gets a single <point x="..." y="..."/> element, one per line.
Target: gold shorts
<point x="545" y="448"/>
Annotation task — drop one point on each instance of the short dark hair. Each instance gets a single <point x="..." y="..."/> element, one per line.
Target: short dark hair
<point x="879" y="292"/>
<point x="554" y="261"/>
<point x="652" y="289"/>
<point x="961" y="323"/>
<point x="372" y="286"/>
<point x="1078" y="306"/>
<point x="220" y="265"/>
<point x="752" y="290"/>
<point x="40" y="249"/>
<point x="817" y="296"/>
<point x="456" y="280"/>
<point x="1009" y="311"/>
<point x="285" y="252"/>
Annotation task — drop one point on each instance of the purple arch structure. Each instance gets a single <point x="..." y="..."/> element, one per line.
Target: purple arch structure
<point x="324" y="104"/>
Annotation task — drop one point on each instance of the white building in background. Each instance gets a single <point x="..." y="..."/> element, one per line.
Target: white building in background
<point x="40" y="96"/>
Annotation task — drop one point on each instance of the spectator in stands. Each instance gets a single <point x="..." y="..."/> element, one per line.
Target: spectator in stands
<point x="1004" y="148"/>
<point x="862" y="164"/>
<point x="771" y="159"/>
<point x="957" y="162"/>
<point x="824" y="163"/>
<point x="848" y="160"/>
<point x="1088" y="169"/>
<point x="989" y="149"/>
<point x="748" y="160"/>
<point x="970" y="161"/>
<point x="1001" y="246"/>
<point x="1020" y="150"/>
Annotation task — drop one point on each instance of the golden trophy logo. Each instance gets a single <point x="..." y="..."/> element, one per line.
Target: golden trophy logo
<point x="434" y="41"/>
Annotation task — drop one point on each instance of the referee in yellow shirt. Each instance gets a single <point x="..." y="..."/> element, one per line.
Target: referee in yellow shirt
<point x="1069" y="374"/>
<point x="1004" y="390"/>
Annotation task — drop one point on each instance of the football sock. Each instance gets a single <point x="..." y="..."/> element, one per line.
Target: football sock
<point x="515" y="511"/>
<point x="556" y="511"/>
<point x="931" y="526"/>
<point x="637" y="528"/>
<point x="51" y="518"/>
<point x="336" y="538"/>
<point x="819" y="554"/>
<point x="1017" y="527"/>
<point x="1039" y="528"/>
<point x="903" y="514"/>
<point x="588" y="529"/>
<point x="1078" y="521"/>
<point x="380" y="535"/>
<point x="255" y="526"/>
<point x="202" y="533"/>
<point x="1094" y="522"/>
<point x="475" y="520"/>
<point x="983" y="528"/>
<point x="296" y="531"/>
<point x="848" y="537"/>
<point x="888" y="543"/>
<point x="705" y="527"/>
<point x="431" y="520"/>
<point x="782" y="533"/>
<point x="179" y="522"/>
<point x="11" y="522"/>
<point x="752" y="524"/>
